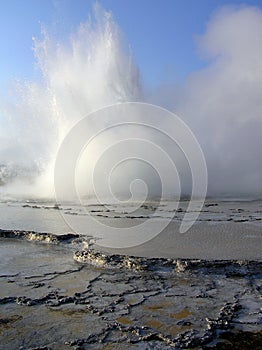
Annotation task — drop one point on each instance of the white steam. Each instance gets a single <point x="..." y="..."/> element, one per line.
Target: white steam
<point x="222" y="103"/>
<point x="94" y="70"/>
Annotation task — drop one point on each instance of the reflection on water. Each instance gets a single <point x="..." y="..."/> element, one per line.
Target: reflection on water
<point x="224" y="230"/>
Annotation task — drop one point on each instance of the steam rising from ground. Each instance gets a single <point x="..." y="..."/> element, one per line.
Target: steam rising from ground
<point x="221" y="103"/>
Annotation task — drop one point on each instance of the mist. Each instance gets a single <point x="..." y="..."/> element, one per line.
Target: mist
<point x="221" y="103"/>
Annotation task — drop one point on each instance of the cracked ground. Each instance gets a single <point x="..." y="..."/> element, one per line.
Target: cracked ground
<point x="50" y="301"/>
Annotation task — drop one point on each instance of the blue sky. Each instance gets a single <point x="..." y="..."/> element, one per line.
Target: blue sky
<point x="161" y="33"/>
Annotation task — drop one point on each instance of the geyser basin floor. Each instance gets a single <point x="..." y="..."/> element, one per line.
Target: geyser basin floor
<point x="50" y="301"/>
<point x="224" y="230"/>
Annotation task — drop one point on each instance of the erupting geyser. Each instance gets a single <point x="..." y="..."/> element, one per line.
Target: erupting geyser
<point x="221" y="104"/>
<point x="94" y="70"/>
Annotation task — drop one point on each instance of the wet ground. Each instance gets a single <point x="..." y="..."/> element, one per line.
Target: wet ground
<point x="56" y="295"/>
<point x="225" y="229"/>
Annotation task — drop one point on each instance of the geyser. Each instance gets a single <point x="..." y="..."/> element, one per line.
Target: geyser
<point x="221" y="103"/>
<point x="94" y="70"/>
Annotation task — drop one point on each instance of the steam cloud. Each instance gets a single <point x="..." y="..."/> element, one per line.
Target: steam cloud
<point x="221" y="103"/>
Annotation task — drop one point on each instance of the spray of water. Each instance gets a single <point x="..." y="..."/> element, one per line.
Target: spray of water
<point x="221" y="103"/>
<point x="93" y="70"/>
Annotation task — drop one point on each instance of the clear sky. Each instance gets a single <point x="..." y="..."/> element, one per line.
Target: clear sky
<point x="161" y="33"/>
